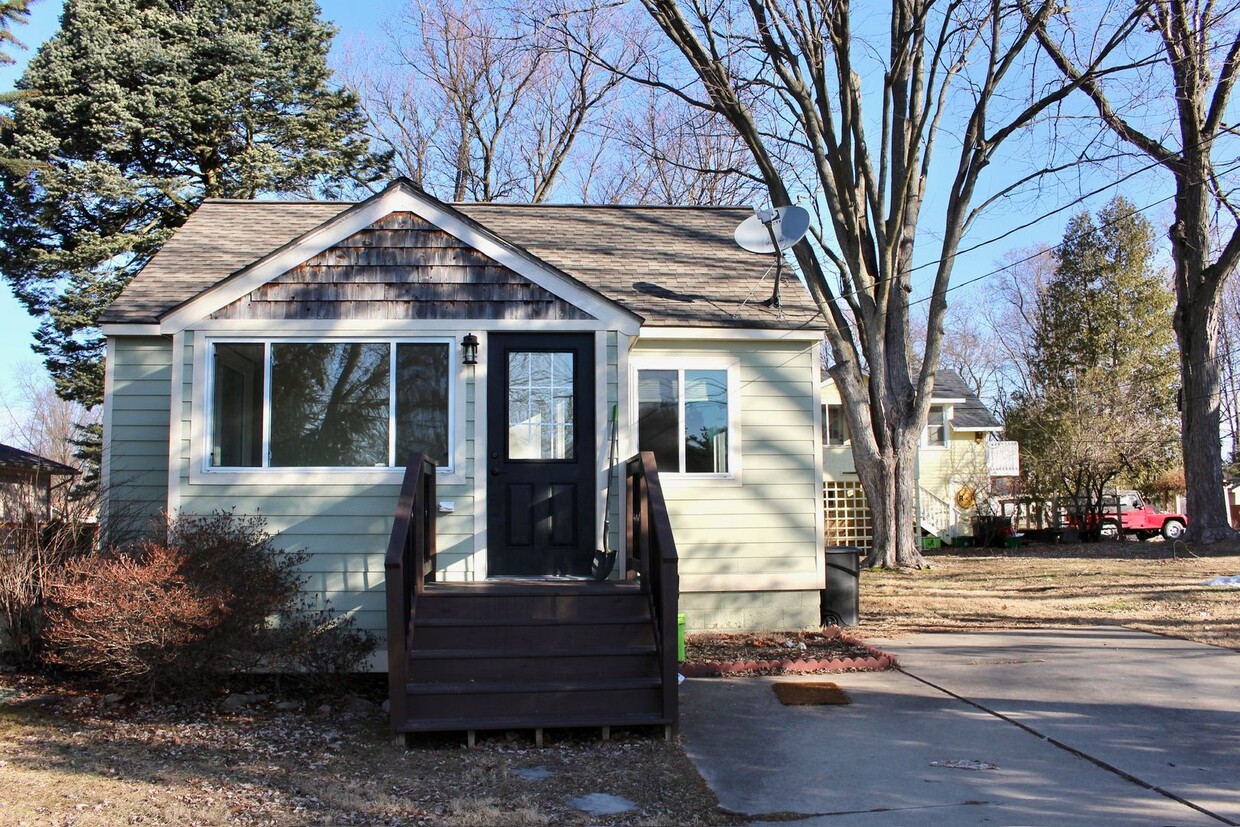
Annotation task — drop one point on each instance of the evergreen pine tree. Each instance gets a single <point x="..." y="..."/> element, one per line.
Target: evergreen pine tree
<point x="11" y="12"/>
<point x="136" y="111"/>
<point x="1102" y="365"/>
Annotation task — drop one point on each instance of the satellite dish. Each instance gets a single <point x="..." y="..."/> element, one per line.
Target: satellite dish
<point x="787" y="225"/>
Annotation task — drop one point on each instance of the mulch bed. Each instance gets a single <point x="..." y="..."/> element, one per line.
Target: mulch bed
<point x="712" y="654"/>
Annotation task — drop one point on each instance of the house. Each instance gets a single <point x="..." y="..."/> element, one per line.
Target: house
<point x="957" y="460"/>
<point x="26" y="484"/>
<point x="285" y="358"/>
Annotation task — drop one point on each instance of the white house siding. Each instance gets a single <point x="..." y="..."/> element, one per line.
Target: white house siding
<point x="751" y="547"/>
<point x="139" y="375"/>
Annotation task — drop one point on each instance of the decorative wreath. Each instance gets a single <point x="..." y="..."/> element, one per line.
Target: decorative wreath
<point x="966" y="498"/>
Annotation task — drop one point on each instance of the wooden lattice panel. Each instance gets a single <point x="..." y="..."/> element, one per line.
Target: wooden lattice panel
<point x="848" y="521"/>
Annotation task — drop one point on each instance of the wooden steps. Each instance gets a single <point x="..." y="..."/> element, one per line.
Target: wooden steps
<point x="540" y="654"/>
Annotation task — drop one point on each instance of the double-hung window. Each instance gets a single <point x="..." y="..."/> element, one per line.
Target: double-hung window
<point x="936" y="427"/>
<point x="334" y="404"/>
<point x="686" y="417"/>
<point x="834" y="425"/>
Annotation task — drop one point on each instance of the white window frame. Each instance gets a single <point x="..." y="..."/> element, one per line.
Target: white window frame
<point x="680" y="364"/>
<point x="925" y="432"/>
<point x="203" y="411"/>
<point x="826" y="425"/>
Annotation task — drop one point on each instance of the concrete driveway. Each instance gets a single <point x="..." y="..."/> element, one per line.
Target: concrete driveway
<point x="1086" y="726"/>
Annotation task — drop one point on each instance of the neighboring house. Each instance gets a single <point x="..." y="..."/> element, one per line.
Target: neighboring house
<point x="26" y="484"/>
<point x="284" y="358"/>
<point x="955" y="464"/>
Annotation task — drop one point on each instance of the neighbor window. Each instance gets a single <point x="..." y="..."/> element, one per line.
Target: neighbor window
<point x="834" y="425"/>
<point x="329" y="404"/>
<point x="683" y="418"/>
<point x="936" y="427"/>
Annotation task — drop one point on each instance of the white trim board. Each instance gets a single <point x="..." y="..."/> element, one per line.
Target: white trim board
<point x="725" y="334"/>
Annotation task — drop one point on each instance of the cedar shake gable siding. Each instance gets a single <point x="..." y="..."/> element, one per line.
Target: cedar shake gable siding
<point x="672" y="266"/>
<point x="400" y="268"/>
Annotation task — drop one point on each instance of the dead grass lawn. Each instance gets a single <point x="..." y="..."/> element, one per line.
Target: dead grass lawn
<point x="75" y="761"/>
<point x="1153" y="586"/>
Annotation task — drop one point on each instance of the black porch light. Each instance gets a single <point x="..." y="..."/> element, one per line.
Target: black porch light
<point x="469" y="349"/>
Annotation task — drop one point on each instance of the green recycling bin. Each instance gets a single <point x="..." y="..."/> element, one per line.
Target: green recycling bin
<point x="680" y="637"/>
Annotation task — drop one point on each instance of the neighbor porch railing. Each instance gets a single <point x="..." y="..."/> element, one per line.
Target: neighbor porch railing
<point x="651" y="553"/>
<point x="409" y="566"/>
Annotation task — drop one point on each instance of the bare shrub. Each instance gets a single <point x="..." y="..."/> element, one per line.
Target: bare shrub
<point x="216" y="597"/>
<point x="322" y="647"/>
<point x="132" y="619"/>
<point x="32" y="553"/>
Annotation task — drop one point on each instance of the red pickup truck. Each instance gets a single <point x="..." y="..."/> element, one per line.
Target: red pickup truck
<point x="1135" y="517"/>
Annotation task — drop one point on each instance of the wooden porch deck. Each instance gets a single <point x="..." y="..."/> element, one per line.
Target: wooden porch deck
<point x="531" y="653"/>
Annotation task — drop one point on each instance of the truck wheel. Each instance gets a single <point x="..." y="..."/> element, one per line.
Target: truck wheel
<point x="1173" y="529"/>
<point x="1108" y="531"/>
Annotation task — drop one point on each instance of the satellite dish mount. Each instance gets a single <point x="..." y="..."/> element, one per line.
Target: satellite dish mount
<point x="773" y="231"/>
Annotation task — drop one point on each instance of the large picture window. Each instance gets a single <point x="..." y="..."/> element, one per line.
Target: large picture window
<point x="329" y="404"/>
<point x="683" y="418"/>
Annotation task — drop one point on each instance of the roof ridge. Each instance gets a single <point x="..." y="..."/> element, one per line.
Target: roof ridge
<point x="485" y="204"/>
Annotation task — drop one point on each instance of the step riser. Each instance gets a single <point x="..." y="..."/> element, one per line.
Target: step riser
<point x="533" y="606"/>
<point x="445" y="670"/>
<point x="481" y="707"/>
<point x="576" y="636"/>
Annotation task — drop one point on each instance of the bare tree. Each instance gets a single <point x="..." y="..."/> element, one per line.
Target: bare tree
<point x="1171" y="103"/>
<point x="41" y="422"/>
<point x="483" y="103"/>
<point x="664" y="151"/>
<point x="853" y="120"/>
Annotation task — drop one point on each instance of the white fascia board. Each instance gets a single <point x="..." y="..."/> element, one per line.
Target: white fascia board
<point x="722" y="334"/>
<point x="395" y="199"/>
<point x="130" y="330"/>
<point x="388" y="327"/>
<point x="971" y="428"/>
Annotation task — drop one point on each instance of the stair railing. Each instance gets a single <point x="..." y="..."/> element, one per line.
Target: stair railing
<point x="937" y="514"/>
<point x="408" y="567"/>
<point x="651" y="552"/>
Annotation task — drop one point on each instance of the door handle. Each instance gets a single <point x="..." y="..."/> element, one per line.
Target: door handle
<point x="495" y="472"/>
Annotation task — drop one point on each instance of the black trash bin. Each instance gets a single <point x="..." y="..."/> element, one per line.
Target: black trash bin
<point x="841" y="599"/>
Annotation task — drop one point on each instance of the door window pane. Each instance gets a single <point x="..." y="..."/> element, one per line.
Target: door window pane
<point x="541" y="406"/>
<point x="422" y="402"/>
<point x="237" y="415"/>
<point x="330" y="404"/>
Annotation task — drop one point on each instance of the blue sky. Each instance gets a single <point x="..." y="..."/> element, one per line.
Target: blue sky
<point x="365" y="18"/>
<point x="349" y="16"/>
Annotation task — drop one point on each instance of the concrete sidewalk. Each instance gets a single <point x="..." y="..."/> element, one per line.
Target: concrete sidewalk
<point x="1089" y="726"/>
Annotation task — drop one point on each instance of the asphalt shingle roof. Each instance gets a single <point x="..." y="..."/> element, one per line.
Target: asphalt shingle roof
<point x="11" y="457"/>
<point x="968" y="415"/>
<point x="669" y="265"/>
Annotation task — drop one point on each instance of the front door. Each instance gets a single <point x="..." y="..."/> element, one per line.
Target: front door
<point x="540" y="438"/>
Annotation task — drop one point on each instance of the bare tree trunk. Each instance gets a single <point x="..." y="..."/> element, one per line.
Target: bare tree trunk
<point x="1197" y="330"/>
<point x="1183" y="37"/>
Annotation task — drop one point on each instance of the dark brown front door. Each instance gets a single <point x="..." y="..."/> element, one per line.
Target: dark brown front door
<point x="540" y="438"/>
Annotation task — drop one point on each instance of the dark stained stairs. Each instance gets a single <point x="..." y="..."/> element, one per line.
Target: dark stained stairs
<point x="532" y="654"/>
